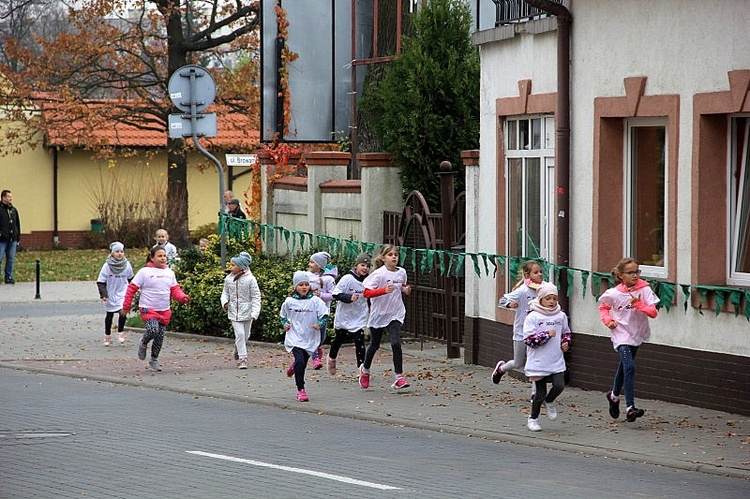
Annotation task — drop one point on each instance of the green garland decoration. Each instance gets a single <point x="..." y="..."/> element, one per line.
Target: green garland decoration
<point x="451" y="263"/>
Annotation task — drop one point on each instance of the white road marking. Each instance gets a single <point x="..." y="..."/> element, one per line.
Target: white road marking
<point x="329" y="476"/>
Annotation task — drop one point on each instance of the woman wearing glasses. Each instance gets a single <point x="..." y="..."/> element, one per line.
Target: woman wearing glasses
<point x="625" y="310"/>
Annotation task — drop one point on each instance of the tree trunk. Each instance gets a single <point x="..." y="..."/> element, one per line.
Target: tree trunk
<point x="177" y="191"/>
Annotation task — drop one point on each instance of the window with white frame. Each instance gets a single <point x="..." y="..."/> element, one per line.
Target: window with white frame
<point x="739" y="201"/>
<point x="645" y="194"/>
<point x="529" y="155"/>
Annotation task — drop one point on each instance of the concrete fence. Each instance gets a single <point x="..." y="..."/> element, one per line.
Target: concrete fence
<point x="326" y="202"/>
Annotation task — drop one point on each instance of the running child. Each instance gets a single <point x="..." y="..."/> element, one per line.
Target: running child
<point x="385" y="287"/>
<point x="112" y="282"/>
<point x="322" y="281"/>
<point x="351" y="312"/>
<point x="303" y="315"/>
<point x="157" y="285"/>
<point x="519" y="299"/>
<point x="547" y="336"/>
<point x="625" y="310"/>
<point x="241" y="299"/>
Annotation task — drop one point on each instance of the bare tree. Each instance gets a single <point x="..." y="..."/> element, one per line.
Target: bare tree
<point x="121" y="61"/>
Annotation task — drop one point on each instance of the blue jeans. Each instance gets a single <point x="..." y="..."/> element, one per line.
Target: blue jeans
<point x="8" y="250"/>
<point x="625" y="373"/>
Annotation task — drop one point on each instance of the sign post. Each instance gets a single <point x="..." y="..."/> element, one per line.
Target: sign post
<point x="192" y="89"/>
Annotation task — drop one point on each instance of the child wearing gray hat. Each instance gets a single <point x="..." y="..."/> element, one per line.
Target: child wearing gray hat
<point x="241" y="299"/>
<point x="112" y="282"/>
<point x="303" y="316"/>
<point x="322" y="277"/>
<point x="351" y="312"/>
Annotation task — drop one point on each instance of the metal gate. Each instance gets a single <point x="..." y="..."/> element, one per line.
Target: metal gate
<point x="416" y="227"/>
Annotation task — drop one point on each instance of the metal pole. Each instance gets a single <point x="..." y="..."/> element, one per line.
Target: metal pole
<point x="38" y="278"/>
<point x="193" y="120"/>
<point x="446" y="199"/>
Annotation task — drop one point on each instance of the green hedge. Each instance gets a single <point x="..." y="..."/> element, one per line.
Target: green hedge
<point x="202" y="278"/>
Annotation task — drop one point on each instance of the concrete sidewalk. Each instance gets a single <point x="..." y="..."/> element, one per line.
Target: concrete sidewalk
<point x="446" y="395"/>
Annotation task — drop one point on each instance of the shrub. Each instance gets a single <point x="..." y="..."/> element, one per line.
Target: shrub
<point x="202" y="278"/>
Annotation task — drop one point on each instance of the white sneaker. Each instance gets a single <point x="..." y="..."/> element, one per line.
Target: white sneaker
<point x="533" y="425"/>
<point x="551" y="411"/>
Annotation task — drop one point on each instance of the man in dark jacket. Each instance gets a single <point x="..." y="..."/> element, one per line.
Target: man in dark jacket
<point x="234" y="209"/>
<point x="10" y="233"/>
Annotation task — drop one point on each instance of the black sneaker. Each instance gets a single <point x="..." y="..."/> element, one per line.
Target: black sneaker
<point x="614" y="407"/>
<point x="10" y="281"/>
<point x="497" y="374"/>
<point x="634" y="413"/>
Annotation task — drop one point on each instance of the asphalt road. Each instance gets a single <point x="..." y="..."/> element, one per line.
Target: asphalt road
<point x="65" y="437"/>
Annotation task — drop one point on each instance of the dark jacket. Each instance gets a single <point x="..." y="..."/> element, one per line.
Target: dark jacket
<point x="236" y="213"/>
<point x="10" y="225"/>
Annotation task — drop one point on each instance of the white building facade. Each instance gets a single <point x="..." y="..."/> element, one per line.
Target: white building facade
<point x="658" y="170"/>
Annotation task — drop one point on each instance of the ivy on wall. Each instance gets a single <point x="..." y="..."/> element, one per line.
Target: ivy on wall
<point x="449" y="263"/>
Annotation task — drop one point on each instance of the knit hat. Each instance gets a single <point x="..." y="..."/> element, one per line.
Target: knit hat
<point x="116" y="246"/>
<point x="545" y="288"/>
<point x="243" y="260"/>
<point x="234" y="201"/>
<point x="363" y="258"/>
<point x="300" y="276"/>
<point x="321" y="259"/>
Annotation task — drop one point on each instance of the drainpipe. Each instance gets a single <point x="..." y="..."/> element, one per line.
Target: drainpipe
<point x="55" y="176"/>
<point x="562" y="144"/>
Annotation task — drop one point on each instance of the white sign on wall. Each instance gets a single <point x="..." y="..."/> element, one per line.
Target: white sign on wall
<point x="240" y="159"/>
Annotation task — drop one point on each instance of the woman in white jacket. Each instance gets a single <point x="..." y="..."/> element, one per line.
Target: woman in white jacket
<point x="241" y="299"/>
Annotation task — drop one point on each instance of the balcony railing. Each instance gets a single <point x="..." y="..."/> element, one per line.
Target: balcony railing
<point x="518" y="11"/>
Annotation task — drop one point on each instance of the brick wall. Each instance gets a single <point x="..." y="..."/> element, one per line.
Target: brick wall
<point x="691" y="377"/>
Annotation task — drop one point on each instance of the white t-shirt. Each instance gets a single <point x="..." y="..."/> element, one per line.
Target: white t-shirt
<point x="155" y="285"/>
<point x="548" y="358"/>
<point x="633" y="327"/>
<point x="350" y="316"/>
<point x="390" y="306"/>
<point x="302" y="313"/>
<point x="116" y="286"/>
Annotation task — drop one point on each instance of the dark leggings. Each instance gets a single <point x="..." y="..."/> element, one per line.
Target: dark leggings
<point x="376" y="334"/>
<point x="108" y="322"/>
<point x="154" y="331"/>
<point x="359" y="344"/>
<point x="541" y="395"/>
<point x="300" y="364"/>
<point x="625" y="373"/>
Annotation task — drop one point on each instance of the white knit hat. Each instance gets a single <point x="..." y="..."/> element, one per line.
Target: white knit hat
<point x="300" y="276"/>
<point x="546" y="288"/>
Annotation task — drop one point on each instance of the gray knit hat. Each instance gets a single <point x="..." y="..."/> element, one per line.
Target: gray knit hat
<point x="363" y="258"/>
<point x="243" y="260"/>
<point x="321" y="259"/>
<point x="234" y="201"/>
<point x="300" y="276"/>
<point x="116" y="246"/>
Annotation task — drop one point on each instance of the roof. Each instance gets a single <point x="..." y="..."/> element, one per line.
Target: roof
<point x="96" y="129"/>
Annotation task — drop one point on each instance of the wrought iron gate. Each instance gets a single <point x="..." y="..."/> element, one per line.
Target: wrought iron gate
<point x="416" y="227"/>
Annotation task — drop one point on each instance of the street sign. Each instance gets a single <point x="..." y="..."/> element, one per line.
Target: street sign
<point x="191" y="84"/>
<point x="240" y="159"/>
<point x="181" y="125"/>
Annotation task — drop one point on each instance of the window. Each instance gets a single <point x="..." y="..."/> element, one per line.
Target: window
<point x="530" y="179"/>
<point x="739" y="202"/>
<point x="646" y="195"/>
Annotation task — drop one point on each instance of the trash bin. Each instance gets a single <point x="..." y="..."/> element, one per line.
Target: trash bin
<point x="96" y="225"/>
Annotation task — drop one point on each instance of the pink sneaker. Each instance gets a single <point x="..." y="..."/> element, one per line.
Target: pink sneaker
<point x="364" y="378"/>
<point x="400" y="384"/>
<point x="331" y="364"/>
<point x="497" y="374"/>
<point x="317" y="364"/>
<point x="121" y="337"/>
<point x="107" y="342"/>
<point x="290" y="370"/>
<point x="302" y="396"/>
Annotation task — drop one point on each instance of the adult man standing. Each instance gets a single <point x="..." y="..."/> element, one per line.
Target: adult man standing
<point x="10" y="233"/>
<point x="228" y="196"/>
